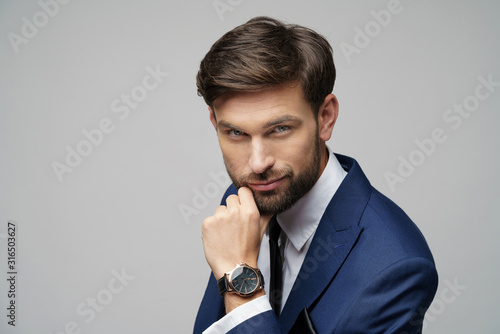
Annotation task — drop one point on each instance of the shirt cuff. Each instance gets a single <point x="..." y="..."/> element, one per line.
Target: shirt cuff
<point x="239" y="315"/>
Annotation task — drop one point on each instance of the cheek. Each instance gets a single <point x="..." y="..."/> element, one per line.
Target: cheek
<point x="300" y="149"/>
<point x="234" y="157"/>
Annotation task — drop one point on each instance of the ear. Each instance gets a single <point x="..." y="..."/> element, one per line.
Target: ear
<point x="327" y="116"/>
<point x="212" y="118"/>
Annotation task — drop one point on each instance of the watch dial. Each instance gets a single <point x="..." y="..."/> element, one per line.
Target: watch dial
<point x="244" y="280"/>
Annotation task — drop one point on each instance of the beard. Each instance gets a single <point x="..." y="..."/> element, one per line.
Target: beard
<point x="296" y="184"/>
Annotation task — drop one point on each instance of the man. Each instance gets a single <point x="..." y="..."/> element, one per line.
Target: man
<point x="347" y="259"/>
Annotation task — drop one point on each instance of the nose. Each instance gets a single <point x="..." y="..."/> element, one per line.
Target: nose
<point x="261" y="157"/>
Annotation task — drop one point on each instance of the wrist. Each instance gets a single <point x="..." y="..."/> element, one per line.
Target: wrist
<point x="232" y="301"/>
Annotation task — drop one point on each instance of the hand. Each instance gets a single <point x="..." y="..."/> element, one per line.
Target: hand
<point x="234" y="233"/>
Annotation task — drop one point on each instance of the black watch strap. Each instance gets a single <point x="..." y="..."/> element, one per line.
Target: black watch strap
<point x="222" y="284"/>
<point x="261" y="278"/>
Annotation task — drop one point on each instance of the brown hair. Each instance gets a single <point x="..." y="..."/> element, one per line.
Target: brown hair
<point x="265" y="52"/>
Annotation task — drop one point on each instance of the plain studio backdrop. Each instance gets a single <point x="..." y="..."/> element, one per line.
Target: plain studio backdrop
<point x="109" y="164"/>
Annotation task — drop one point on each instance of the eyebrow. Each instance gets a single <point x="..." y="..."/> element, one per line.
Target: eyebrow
<point x="282" y="119"/>
<point x="228" y="125"/>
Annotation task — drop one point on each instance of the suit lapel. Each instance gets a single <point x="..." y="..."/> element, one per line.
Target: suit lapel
<point x="335" y="236"/>
<point x="328" y="251"/>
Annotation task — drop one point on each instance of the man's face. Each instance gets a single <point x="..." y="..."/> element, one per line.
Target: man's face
<point x="270" y="144"/>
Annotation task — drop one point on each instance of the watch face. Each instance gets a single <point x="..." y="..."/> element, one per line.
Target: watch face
<point x="244" y="280"/>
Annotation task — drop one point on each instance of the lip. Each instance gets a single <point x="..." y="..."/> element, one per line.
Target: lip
<point x="266" y="186"/>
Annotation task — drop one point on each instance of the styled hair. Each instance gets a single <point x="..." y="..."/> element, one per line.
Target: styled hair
<point x="263" y="53"/>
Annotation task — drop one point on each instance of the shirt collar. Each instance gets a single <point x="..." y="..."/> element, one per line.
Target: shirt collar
<point x="300" y="221"/>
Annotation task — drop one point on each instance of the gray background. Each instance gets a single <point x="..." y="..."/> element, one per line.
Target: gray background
<point x="121" y="208"/>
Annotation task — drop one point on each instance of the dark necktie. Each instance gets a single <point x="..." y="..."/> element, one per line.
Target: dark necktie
<point x="276" y="284"/>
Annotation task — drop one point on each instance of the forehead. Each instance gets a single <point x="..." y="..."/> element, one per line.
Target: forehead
<point x="262" y="105"/>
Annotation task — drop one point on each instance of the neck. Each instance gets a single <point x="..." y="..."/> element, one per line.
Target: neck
<point x="325" y="154"/>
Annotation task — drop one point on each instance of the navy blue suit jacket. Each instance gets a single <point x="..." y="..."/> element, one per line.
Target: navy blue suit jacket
<point x="368" y="270"/>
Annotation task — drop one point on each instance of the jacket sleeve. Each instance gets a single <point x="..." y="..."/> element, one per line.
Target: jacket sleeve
<point x="253" y="317"/>
<point x="395" y="301"/>
<point x="262" y="323"/>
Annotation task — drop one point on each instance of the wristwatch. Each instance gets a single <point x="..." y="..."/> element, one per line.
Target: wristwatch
<point x="243" y="280"/>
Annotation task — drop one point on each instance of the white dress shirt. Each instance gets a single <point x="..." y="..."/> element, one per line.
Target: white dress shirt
<point x="298" y="226"/>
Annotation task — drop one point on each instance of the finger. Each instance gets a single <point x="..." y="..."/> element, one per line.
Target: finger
<point x="232" y="201"/>
<point x="246" y="198"/>
<point x="220" y="209"/>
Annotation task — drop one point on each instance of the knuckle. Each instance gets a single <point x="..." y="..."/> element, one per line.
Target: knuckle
<point x="251" y="213"/>
<point x="220" y="210"/>
<point x="206" y="223"/>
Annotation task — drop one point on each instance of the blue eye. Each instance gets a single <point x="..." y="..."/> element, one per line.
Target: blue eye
<point x="281" y="128"/>
<point x="234" y="133"/>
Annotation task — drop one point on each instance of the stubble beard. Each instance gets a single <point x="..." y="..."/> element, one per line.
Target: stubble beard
<point x="295" y="186"/>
